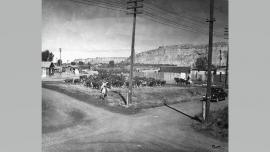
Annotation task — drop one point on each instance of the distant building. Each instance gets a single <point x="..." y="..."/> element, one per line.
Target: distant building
<point x="101" y="60"/>
<point x="74" y="69"/>
<point x="220" y="77"/>
<point x="148" y="73"/>
<point x="200" y="75"/>
<point x="168" y="73"/>
<point x="221" y="70"/>
<point x="47" y="69"/>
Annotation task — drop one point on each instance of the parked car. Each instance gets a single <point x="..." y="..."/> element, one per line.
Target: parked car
<point x="217" y="94"/>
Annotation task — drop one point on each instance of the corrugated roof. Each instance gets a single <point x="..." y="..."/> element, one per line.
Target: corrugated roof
<point x="174" y="69"/>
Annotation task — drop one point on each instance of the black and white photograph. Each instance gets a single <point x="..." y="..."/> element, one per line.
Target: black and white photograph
<point x="135" y="75"/>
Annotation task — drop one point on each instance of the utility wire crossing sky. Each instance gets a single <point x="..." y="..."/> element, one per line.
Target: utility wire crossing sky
<point x="102" y="28"/>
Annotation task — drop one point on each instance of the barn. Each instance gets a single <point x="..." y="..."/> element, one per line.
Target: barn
<point x="47" y="69"/>
<point x="170" y="72"/>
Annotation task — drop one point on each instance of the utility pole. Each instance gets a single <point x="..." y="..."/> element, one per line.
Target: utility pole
<point x="206" y="104"/>
<point x="227" y="65"/>
<point x="134" y="6"/>
<point x="220" y="58"/>
<point x="60" y="53"/>
<point x="226" y="34"/>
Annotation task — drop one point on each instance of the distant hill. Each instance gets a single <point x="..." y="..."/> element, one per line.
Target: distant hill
<point x="182" y="55"/>
<point x="101" y="60"/>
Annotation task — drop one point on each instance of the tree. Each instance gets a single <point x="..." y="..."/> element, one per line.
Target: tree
<point x="111" y="63"/>
<point x="47" y="55"/>
<point x="201" y="63"/>
<point x="81" y="63"/>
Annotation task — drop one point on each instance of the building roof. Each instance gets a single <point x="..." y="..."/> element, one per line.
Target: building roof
<point x="47" y="64"/>
<point x="196" y="69"/>
<point x="174" y="69"/>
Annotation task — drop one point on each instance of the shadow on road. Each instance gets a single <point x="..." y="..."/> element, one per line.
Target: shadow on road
<point x="122" y="97"/>
<point x="191" y="117"/>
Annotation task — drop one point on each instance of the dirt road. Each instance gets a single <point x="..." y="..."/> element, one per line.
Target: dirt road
<point x="70" y="125"/>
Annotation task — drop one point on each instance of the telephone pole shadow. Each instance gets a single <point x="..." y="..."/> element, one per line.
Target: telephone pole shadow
<point x="122" y="97"/>
<point x="191" y="117"/>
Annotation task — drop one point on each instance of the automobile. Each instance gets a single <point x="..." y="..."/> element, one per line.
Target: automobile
<point x="217" y="94"/>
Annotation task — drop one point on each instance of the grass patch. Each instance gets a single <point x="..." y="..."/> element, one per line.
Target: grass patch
<point x="218" y="124"/>
<point x="142" y="98"/>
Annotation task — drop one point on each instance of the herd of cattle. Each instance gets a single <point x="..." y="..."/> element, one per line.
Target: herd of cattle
<point x="114" y="80"/>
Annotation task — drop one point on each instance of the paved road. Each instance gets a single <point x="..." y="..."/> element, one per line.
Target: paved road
<point x="74" y="126"/>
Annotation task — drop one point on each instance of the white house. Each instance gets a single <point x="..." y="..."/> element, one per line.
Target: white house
<point x="47" y="69"/>
<point x="170" y="72"/>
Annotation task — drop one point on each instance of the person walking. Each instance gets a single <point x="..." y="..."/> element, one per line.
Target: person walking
<point x="104" y="90"/>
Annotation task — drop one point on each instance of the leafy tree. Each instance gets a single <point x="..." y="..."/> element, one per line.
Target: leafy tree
<point x="111" y="63"/>
<point x="73" y="63"/>
<point x="81" y="63"/>
<point x="47" y="55"/>
<point x="202" y="63"/>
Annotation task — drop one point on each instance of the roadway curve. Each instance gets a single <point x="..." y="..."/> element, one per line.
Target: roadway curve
<point x="70" y="125"/>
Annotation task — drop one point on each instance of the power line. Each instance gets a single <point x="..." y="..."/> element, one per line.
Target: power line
<point x="161" y="19"/>
<point x="195" y="19"/>
<point x="95" y="3"/>
<point x="173" y="17"/>
<point x="175" y="25"/>
<point x="119" y="5"/>
<point x="158" y="10"/>
<point x="200" y="19"/>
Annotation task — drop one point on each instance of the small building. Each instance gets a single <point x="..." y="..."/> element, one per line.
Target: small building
<point x="57" y="69"/>
<point x="151" y="73"/>
<point x="170" y="72"/>
<point x="200" y="75"/>
<point x="47" y="69"/>
<point x="220" y="77"/>
<point x="221" y="70"/>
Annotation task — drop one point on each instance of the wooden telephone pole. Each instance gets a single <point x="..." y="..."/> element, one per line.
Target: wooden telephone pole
<point x="206" y="104"/>
<point x="60" y="50"/>
<point x="60" y="60"/>
<point x="226" y="34"/>
<point x="132" y="5"/>
<point x="220" y="58"/>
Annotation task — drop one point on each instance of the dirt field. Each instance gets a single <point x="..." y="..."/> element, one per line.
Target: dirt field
<point x="70" y="125"/>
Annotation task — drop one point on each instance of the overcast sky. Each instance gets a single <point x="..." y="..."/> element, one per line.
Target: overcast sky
<point x="84" y="31"/>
